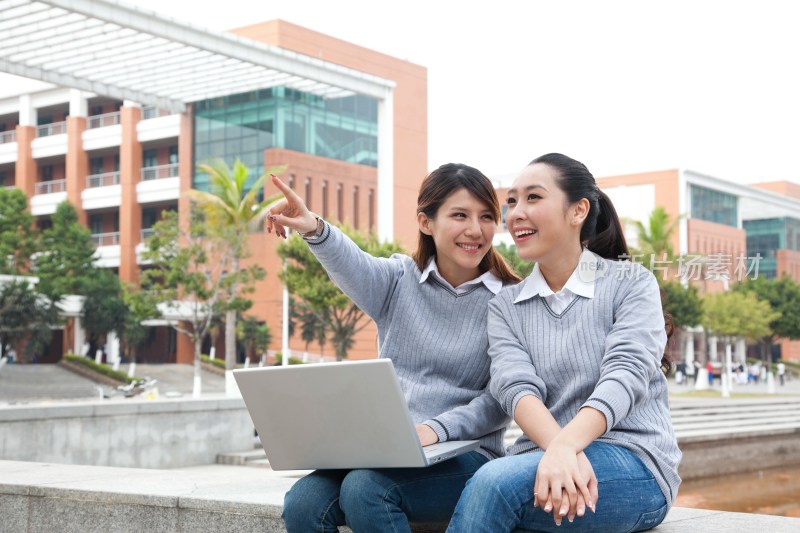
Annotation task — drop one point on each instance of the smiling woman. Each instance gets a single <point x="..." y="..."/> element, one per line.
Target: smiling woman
<point x="441" y="357"/>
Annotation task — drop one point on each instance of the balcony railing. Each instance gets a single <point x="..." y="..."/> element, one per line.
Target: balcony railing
<point x="102" y="180"/>
<point x="8" y="136"/>
<point x="147" y="233"/>
<point x="48" y="187"/>
<point x="106" y="119"/>
<point x="105" y="239"/>
<point x="160" y="172"/>
<point x="150" y="111"/>
<point x="56" y="128"/>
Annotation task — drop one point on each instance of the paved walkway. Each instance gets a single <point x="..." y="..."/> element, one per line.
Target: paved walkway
<point x="45" y="383"/>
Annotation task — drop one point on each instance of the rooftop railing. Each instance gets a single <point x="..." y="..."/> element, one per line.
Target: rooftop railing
<point x="104" y="179"/>
<point x="105" y="239"/>
<point x="9" y="136"/>
<point x="150" y="111"/>
<point x="56" y="128"/>
<point x="106" y="119"/>
<point x="48" y="187"/>
<point x="160" y="172"/>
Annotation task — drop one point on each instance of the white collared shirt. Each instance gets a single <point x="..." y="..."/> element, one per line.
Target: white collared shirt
<point x="580" y="283"/>
<point x="492" y="282"/>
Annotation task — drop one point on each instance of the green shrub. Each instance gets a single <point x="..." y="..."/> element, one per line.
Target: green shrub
<point x="101" y="368"/>
<point x="219" y="363"/>
<point x="292" y="360"/>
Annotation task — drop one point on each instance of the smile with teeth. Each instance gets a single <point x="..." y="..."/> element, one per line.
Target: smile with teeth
<point x="524" y="232"/>
<point x="468" y="247"/>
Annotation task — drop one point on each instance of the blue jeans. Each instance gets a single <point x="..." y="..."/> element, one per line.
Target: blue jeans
<point x="378" y="500"/>
<point x="499" y="498"/>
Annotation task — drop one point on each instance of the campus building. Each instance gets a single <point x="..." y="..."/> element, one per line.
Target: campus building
<point x="119" y="105"/>
<point x="725" y="224"/>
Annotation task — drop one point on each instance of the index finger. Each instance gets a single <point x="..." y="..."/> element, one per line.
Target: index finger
<point x="285" y="189"/>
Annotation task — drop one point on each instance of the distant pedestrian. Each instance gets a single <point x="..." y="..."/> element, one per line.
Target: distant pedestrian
<point x="710" y="369"/>
<point x="696" y="366"/>
<point x="781" y="372"/>
<point x="755" y="371"/>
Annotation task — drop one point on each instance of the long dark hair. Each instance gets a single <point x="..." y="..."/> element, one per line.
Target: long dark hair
<point x="436" y="188"/>
<point x="602" y="231"/>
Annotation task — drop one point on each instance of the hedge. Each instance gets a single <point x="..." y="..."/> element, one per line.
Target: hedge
<point x="99" y="368"/>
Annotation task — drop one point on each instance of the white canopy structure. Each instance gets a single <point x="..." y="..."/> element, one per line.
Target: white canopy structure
<point x="118" y="50"/>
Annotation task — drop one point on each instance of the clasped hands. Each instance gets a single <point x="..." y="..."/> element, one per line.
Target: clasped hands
<point x="565" y="483"/>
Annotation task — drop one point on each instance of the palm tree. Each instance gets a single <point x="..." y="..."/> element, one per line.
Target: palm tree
<point x="656" y="239"/>
<point x="234" y="211"/>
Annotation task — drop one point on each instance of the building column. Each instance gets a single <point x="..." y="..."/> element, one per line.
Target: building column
<point x="77" y="160"/>
<point x="184" y="349"/>
<point x="689" y="355"/>
<point x="26" y="172"/>
<point x="130" y="213"/>
<point x="385" y="204"/>
<point x="741" y="351"/>
<point x="712" y="348"/>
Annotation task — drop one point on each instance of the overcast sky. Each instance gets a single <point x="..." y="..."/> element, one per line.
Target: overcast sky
<point x="624" y="86"/>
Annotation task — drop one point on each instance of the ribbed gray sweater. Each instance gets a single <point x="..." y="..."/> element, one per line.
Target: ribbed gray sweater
<point x="602" y="352"/>
<point x="435" y="338"/>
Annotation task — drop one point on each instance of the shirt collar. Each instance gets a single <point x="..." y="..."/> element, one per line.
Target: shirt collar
<point x="581" y="282"/>
<point x="492" y="282"/>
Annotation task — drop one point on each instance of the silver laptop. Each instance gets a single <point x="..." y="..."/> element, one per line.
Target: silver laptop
<point x="337" y="415"/>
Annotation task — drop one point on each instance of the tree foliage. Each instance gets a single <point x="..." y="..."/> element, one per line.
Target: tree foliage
<point x="104" y="309"/>
<point x="67" y="262"/>
<point x="233" y="210"/>
<point x="255" y="335"/>
<point x="521" y="266"/>
<point x="783" y="296"/>
<point x="189" y="276"/>
<point x="655" y="239"/>
<point x="25" y="315"/>
<point x="682" y="303"/>
<point x="18" y="233"/>
<point x="737" y="314"/>
<point x="308" y="281"/>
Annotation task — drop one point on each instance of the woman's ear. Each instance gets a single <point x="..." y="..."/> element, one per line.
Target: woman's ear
<point x="579" y="211"/>
<point x="424" y="223"/>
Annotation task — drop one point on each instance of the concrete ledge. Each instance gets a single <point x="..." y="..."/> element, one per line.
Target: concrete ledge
<point x="163" y="433"/>
<point x="42" y="497"/>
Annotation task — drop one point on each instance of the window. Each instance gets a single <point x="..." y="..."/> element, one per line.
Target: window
<point x="150" y="158"/>
<point x="339" y="202"/>
<point x="96" y="165"/>
<point x="308" y="192"/>
<point x="116" y="163"/>
<point x="149" y="217"/>
<point x="2" y="178"/>
<point x="714" y="206"/>
<point x="173" y="155"/>
<point x="47" y="172"/>
<point x="355" y="206"/>
<point x="324" y="198"/>
<point x="96" y="224"/>
<point x="291" y="181"/>
<point x="96" y="110"/>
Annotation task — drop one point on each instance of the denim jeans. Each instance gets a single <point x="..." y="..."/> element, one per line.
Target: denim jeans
<point x="378" y="500"/>
<point x="499" y="497"/>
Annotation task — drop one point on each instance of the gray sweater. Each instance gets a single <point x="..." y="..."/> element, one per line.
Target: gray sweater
<point x="603" y="352"/>
<point x="435" y="338"/>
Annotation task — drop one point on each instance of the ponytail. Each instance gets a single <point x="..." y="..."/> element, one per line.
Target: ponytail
<point x="608" y="240"/>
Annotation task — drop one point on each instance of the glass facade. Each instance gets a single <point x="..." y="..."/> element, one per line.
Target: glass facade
<point x="244" y="125"/>
<point x="713" y="206"/>
<point x="766" y="236"/>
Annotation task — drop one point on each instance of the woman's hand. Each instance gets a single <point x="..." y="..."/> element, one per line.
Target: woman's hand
<point x="562" y="483"/>
<point x="289" y="212"/>
<point x="427" y="436"/>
